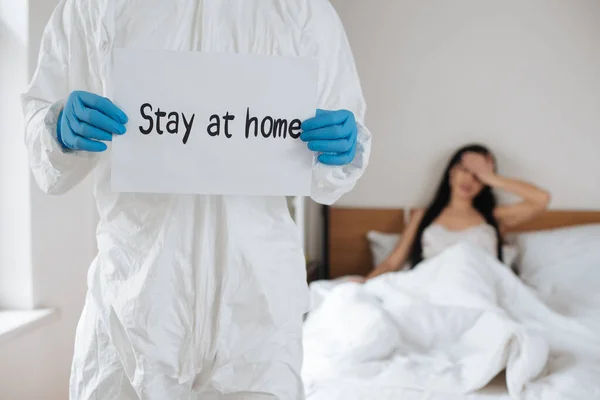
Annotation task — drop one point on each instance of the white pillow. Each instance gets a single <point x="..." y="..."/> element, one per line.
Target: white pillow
<point x="382" y="244"/>
<point x="574" y="247"/>
<point x="564" y="263"/>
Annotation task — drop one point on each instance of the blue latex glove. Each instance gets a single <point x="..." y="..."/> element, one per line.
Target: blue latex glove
<point x="88" y="119"/>
<point x="333" y="134"/>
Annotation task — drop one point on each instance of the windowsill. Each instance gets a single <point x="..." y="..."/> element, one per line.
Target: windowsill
<point x="17" y="323"/>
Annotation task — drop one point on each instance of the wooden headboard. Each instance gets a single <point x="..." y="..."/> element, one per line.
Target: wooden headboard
<point x="347" y="249"/>
<point x="559" y="219"/>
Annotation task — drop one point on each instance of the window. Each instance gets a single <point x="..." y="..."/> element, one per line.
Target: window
<point x="15" y="237"/>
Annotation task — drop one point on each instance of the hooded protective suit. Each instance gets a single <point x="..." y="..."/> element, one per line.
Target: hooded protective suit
<point x="190" y="297"/>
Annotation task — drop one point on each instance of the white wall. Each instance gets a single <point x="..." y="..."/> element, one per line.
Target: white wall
<point x="36" y="366"/>
<point x="520" y="76"/>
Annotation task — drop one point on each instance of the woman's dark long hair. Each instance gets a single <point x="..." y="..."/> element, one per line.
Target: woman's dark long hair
<point x="484" y="202"/>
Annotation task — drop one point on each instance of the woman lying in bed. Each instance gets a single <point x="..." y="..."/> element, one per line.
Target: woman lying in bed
<point x="464" y="209"/>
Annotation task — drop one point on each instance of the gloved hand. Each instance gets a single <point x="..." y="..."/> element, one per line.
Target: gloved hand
<point x="88" y="119"/>
<point x="333" y="134"/>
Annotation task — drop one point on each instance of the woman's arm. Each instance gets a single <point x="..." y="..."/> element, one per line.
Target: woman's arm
<point x="535" y="200"/>
<point x="398" y="257"/>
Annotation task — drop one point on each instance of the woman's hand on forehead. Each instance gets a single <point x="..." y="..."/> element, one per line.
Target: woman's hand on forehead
<point x="478" y="164"/>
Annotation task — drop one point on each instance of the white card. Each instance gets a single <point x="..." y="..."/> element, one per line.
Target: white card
<point x="187" y="96"/>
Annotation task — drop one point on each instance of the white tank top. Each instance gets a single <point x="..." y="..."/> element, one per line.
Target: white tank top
<point x="437" y="238"/>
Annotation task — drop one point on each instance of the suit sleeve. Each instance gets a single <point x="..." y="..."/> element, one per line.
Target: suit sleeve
<point x="64" y="65"/>
<point x="338" y="88"/>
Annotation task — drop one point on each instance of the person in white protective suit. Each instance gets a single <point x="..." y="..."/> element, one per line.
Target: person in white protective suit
<point x="189" y="297"/>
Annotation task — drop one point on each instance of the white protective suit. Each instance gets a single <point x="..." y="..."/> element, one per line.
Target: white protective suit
<point x="190" y="297"/>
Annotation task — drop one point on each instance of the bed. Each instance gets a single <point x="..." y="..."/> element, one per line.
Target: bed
<point x="347" y="249"/>
<point x="354" y="350"/>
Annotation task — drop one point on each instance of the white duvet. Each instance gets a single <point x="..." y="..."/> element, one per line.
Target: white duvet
<point x="449" y="326"/>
